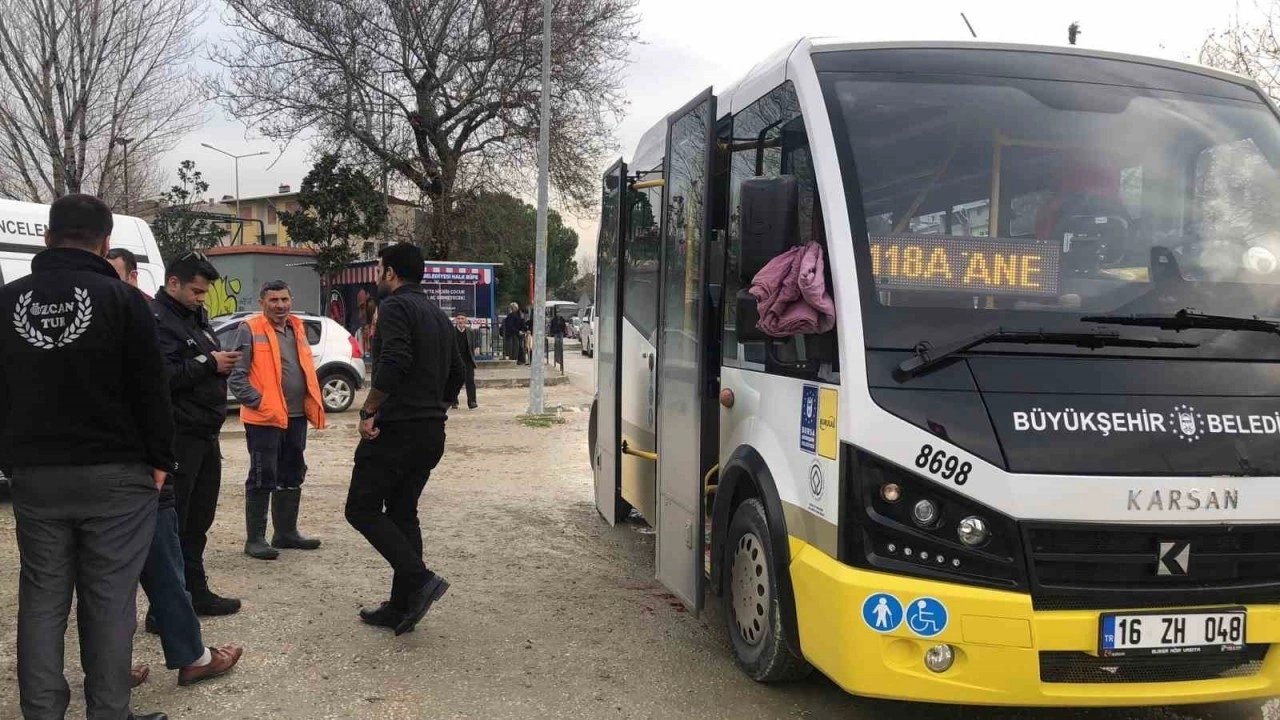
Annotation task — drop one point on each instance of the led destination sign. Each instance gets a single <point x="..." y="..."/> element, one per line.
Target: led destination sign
<point x="982" y="266"/>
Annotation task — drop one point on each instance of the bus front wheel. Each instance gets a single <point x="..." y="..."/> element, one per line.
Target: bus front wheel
<point x="752" y="604"/>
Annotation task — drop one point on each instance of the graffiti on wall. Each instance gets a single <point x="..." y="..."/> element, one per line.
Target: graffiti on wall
<point x="224" y="296"/>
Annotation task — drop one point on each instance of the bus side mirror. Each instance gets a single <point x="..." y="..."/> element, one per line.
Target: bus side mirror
<point x="746" y="317"/>
<point x="770" y="207"/>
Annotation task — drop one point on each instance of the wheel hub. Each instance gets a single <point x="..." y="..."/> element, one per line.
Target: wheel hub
<point x="750" y="589"/>
<point x="336" y="393"/>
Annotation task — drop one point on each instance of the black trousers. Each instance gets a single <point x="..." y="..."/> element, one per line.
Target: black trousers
<point x="382" y="503"/>
<point x="195" y="492"/>
<point x="470" y="383"/>
<point x="277" y="456"/>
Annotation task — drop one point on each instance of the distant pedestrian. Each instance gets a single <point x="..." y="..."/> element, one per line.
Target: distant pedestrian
<point x="197" y="368"/>
<point x="275" y="382"/>
<point x="418" y="370"/>
<point x="467" y="349"/>
<point x="559" y="328"/>
<point x="86" y="435"/>
<point x="512" y="334"/>
<point x="526" y="335"/>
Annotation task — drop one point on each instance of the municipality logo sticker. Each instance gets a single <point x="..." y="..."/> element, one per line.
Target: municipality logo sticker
<point x="31" y="319"/>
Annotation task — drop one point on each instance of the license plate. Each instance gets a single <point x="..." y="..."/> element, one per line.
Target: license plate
<point x="1171" y="632"/>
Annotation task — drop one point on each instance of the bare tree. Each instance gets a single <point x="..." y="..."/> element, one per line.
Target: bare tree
<point x="76" y="76"/>
<point x="441" y="93"/>
<point x="1248" y="48"/>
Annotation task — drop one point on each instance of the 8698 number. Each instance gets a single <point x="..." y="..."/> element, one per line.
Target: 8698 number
<point x="947" y="467"/>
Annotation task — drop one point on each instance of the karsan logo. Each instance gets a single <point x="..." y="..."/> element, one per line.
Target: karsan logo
<point x="1183" y="422"/>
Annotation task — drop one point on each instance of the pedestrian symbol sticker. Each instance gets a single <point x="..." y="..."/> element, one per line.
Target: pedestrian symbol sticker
<point x="882" y="612"/>
<point x="926" y="617"/>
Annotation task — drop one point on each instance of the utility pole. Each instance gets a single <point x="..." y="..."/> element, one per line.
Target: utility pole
<point x="237" y="159"/>
<point x="537" y="312"/>
<point x="124" y="142"/>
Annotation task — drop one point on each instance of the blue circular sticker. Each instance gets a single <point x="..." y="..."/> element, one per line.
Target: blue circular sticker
<point x="882" y="612"/>
<point x="926" y="616"/>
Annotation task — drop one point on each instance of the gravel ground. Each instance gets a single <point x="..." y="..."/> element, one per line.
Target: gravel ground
<point x="551" y="614"/>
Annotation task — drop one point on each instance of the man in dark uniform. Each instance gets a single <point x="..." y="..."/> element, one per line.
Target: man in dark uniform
<point x="86" y="428"/>
<point x="417" y="373"/>
<point x="197" y="368"/>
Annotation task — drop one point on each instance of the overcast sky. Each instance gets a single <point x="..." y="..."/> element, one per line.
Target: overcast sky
<point x="687" y="45"/>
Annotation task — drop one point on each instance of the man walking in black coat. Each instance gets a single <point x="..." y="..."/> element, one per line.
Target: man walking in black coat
<point x="467" y="349"/>
<point x="86" y="428"/>
<point x="417" y="373"/>
<point x="197" y="368"/>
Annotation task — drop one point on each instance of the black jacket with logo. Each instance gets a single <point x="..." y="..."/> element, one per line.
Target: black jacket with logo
<point x="198" y="392"/>
<point x="418" y="364"/>
<point x="81" y="377"/>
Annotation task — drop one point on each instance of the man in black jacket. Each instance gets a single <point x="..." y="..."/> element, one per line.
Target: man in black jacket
<point x="467" y="349"/>
<point x="417" y="373"/>
<point x="86" y="427"/>
<point x="197" y="368"/>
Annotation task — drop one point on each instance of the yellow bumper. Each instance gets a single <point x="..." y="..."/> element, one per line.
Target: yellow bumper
<point x="997" y="639"/>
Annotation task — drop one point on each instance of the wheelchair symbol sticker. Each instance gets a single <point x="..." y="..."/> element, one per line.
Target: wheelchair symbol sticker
<point x="926" y="617"/>
<point x="882" y="612"/>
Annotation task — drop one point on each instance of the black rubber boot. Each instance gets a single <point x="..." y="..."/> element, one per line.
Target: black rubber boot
<point x="284" y="516"/>
<point x="256" y="503"/>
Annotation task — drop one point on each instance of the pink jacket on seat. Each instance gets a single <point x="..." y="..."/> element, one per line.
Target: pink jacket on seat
<point x="791" y="294"/>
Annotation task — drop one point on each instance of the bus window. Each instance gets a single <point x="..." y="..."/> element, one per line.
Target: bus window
<point x="641" y="244"/>
<point x="769" y="140"/>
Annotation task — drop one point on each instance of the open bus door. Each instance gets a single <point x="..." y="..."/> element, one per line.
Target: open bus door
<point x="605" y="458"/>
<point x="685" y="452"/>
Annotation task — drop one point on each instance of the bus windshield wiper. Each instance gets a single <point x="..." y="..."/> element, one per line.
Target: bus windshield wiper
<point x="928" y="355"/>
<point x="1185" y="319"/>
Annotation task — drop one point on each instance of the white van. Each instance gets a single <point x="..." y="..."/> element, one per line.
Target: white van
<point x="22" y="227"/>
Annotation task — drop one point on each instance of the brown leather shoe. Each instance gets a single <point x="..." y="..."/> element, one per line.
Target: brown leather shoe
<point x="138" y="674"/>
<point x="224" y="658"/>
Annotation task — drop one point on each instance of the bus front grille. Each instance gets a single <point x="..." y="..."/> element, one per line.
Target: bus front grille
<point x="1084" y="566"/>
<point x="1078" y="667"/>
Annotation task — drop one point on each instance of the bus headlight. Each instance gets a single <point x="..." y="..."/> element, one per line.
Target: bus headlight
<point x="972" y="531"/>
<point x="890" y="492"/>
<point x="925" y="513"/>
<point x="901" y="522"/>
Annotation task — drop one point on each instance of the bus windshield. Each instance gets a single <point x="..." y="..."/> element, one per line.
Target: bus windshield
<point x="979" y="202"/>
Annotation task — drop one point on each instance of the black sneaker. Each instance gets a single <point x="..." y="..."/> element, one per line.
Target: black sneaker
<point x="382" y="616"/>
<point x="420" y="602"/>
<point x="473" y="406"/>
<point x="208" y="604"/>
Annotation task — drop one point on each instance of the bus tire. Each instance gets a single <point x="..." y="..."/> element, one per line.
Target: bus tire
<point x="752" y="603"/>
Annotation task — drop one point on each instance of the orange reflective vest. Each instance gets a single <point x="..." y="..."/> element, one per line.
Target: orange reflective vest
<point x="266" y="376"/>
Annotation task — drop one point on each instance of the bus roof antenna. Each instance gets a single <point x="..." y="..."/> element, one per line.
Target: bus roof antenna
<point x="968" y="25"/>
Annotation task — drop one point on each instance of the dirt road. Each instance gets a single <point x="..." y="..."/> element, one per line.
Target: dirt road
<point x="551" y="614"/>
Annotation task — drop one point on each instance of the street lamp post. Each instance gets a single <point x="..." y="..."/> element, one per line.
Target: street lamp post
<point x="237" y="158"/>
<point x="124" y="142"/>
<point x="538" y="311"/>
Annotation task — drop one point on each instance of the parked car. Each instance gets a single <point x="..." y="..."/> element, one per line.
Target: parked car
<point x="339" y="366"/>
<point x="587" y="331"/>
